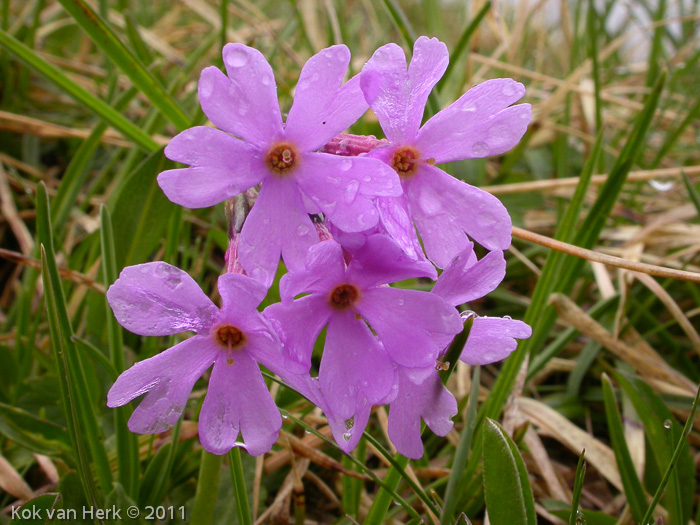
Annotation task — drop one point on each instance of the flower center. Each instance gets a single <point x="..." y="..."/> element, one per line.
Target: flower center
<point x="230" y="338"/>
<point x="344" y="295"/>
<point x="281" y="158"/>
<point x="405" y="161"/>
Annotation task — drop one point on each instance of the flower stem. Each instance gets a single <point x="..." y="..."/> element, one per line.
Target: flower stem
<point x="238" y="478"/>
<point x="207" y="489"/>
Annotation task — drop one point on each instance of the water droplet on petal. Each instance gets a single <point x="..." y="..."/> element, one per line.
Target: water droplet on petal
<point x="668" y="424"/>
<point x="508" y="89"/>
<point x="302" y="230"/>
<point x="345" y="165"/>
<point x="242" y="109"/>
<point x="351" y="191"/>
<point x="206" y="86"/>
<point x="401" y="302"/>
<point x="347" y="436"/>
<point x="507" y="317"/>
<point x="429" y="201"/>
<point x="480" y="149"/>
<point x="468" y="108"/>
<point x="266" y="80"/>
<point x="236" y="58"/>
<point x="173" y="282"/>
<point x="367" y="178"/>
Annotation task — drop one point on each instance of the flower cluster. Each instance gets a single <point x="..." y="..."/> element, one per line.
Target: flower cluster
<point x="349" y="215"/>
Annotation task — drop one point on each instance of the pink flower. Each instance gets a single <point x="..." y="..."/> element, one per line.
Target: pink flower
<point x="158" y="299"/>
<point x="478" y="124"/>
<point x="296" y="179"/>
<point x="358" y="369"/>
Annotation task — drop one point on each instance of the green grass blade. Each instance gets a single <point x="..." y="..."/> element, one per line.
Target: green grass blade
<point x="103" y="36"/>
<point x="238" y="479"/>
<point x="634" y="492"/>
<point x="462" y="44"/>
<point x="352" y="487"/>
<point x="505" y="480"/>
<point x="455" y="350"/>
<point x="674" y="460"/>
<point x="127" y="447"/>
<point x="578" y="487"/>
<point x="97" y="106"/>
<point x="661" y="430"/>
<point x="86" y="418"/>
<point x="462" y="453"/>
<point x="692" y="192"/>
<point x="207" y="488"/>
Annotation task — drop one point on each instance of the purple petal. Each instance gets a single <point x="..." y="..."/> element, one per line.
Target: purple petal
<point x="396" y="220"/>
<point x="322" y="108"/>
<point x="348" y="432"/>
<point x="464" y="281"/>
<point x="428" y="64"/>
<point x="238" y="398"/>
<point x="445" y="208"/>
<point x="354" y="366"/>
<point x="324" y="269"/>
<point x="412" y="325"/>
<point x="240" y="292"/>
<point x="158" y="299"/>
<point x="477" y="125"/>
<point x="222" y="167"/>
<point x="382" y="261"/>
<point x="432" y="401"/>
<point x="298" y="324"/>
<point x="384" y="81"/>
<point x="244" y="103"/>
<point x="492" y="339"/>
<point x="342" y="186"/>
<point x="168" y="378"/>
<point x="277" y="224"/>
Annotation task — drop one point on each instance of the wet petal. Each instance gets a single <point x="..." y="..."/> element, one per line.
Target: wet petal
<point x="298" y="324"/>
<point x="348" y="432"/>
<point x="322" y="108"/>
<point x="222" y="167"/>
<point x="277" y="224"/>
<point x="325" y="268"/>
<point x="430" y="400"/>
<point x="168" y="379"/>
<point x="159" y="299"/>
<point x="238" y="399"/>
<point x="412" y="325"/>
<point x="464" y="281"/>
<point x="445" y="208"/>
<point x="354" y="366"/>
<point x="342" y="188"/>
<point x="477" y="125"/>
<point x="240" y="292"/>
<point x="382" y="261"/>
<point x="396" y="220"/>
<point x="492" y="339"/>
<point x="244" y="103"/>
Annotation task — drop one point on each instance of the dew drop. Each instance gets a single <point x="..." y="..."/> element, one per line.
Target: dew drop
<point x="242" y="109"/>
<point x="580" y="518"/>
<point x="206" y="86"/>
<point x="480" y="149"/>
<point x="401" y="302"/>
<point x="302" y="230"/>
<point x="347" y="436"/>
<point x="469" y="108"/>
<point x="351" y="191"/>
<point x="507" y="317"/>
<point x="266" y="80"/>
<point x="367" y="178"/>
<point x="345" y="165"/>
<point x="236" y="58"/>
<point x="173" y="282"/>
<point x="667" y="424"/>
<point x="508" y="89"/>
<point x="429" y="201"/>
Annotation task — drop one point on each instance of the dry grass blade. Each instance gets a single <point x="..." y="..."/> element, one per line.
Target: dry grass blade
<point x="9" y="211"/>
<point x="646" y="365"/>
<point x="608" y="260"/>
<point x="553" y="424"/>
<point x="12" y="483"/>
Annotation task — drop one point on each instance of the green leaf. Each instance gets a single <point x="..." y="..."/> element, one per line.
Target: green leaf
<point x="119" y="500"/>
<point x="662" y="430"/>
<point x="97" y="106"/>
<point x="238" y="480"/>
<point x="32" y="432"/>
<point x="101" y="33"/>
<point x="38" y="510"/>
<point x="140" y="212"/>
<point x="505" y="480"/>
<point x="692" y="192"/>
<point x="634" y="491"/>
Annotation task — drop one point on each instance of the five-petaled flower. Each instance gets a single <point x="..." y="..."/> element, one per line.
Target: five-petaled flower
<point x="296" y="179"/>
<point x="159" y="299"/>
<point x="358" y="368"/>
<point x="478" y="124"/>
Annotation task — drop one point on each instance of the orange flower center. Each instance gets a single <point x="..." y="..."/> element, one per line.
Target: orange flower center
<point x="405" y="161"/>
<point x="344" y="295"/>
<point x="230" y="338"/>
<point x="281" y="158"/>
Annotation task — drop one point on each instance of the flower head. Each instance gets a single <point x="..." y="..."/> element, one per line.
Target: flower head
<point x="478" y="124"/>
<point x="253" y="146"/>
<point x="358" y="368"/>
<point x="158" y="299"/>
